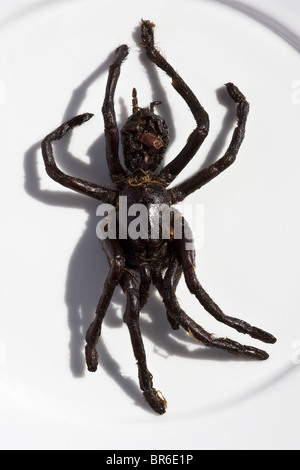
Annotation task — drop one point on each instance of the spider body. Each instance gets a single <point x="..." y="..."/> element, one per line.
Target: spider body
<point x="164" y="251"/>
<point x="150" y="246"/>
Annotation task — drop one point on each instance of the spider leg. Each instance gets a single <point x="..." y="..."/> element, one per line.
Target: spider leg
<point x="117" y="172"/>
<point x="117" y="262"/>
<point x="170" y="281"/>
<point x="180" y="192"/>
<point x="201" y="335"/>
<point x="89" y="189"/>
<point x="144" y="289"/>
<point x="198" y="135"/>
<point x="187" y="260"/>
<point x="131" y="318"/>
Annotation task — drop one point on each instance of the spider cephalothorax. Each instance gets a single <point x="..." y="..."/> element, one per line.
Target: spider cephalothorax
<point x="161" y="259"/>
<point x="145" y="137"/>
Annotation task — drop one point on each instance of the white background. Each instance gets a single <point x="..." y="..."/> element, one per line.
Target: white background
<point x="53" y="65"/>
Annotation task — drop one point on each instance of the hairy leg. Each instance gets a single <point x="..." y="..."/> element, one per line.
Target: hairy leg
<point x="117" y="262"/>
<point x="108" y="110"/>
<point x="84" y="187"/>
<point x="170" y="281"/>
<point x="187" y="261"/>
<point x="202" y="177"/>
<point x="200" y="334"/>
<point x="198" y="135"/>
<point x="131" y="318"/>
<point x="168" y="294"/>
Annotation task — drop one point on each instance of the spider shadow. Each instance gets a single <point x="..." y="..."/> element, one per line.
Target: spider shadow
<point x="88" y="266"/>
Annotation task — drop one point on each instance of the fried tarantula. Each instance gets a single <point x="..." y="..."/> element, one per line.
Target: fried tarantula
<point x="135" y="263"/>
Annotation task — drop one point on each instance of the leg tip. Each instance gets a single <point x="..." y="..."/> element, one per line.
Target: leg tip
<point x="148" y="23"/>
<point x="147" y="33"/>
<point x="262" y="355"/>
<point x="262" y="335"/>
<point x="156" y="400"/>
<point x="87" y="116"/>
<point x="91" y="357"/>
<point x="78" y="120"/>
<point x="235" y="93"/>
<point x="255" y="353"/>
<point x="270" y="339"/>
<point x="121" y="53"/>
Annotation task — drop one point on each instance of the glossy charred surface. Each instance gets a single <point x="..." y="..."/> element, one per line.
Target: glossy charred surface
<point x="137" y="262"/>
<point x="145" y="137"/>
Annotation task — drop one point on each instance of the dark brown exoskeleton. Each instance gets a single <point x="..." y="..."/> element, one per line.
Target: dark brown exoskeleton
<point x="136" y="262"/>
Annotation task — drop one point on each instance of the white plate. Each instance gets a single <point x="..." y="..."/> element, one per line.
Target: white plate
<point x="53" y="65"/>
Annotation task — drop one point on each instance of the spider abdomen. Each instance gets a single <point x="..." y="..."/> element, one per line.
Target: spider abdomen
<point x="145" y="222"/>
